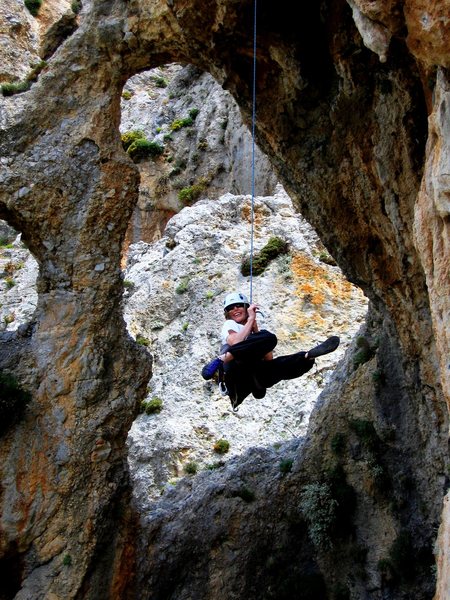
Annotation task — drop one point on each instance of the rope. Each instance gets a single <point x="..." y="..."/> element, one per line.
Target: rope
<point x="253" y="151"/>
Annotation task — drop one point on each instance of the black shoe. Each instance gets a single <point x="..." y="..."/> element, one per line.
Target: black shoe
<point x="325" y="347"/>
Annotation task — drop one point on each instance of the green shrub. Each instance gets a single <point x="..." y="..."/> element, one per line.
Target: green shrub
<point x="327" y="259"/>
<point x="127" y="95"/>
<point x="379" y="378"/>
<point x="372" y="443"/>
<point x="261" y="260"/>
<point x="67" y="560"/>
<point x="221" y="446"/>
<point x="191" y="468"/>
<point x="318" y="508"/>
<point x="142" y="148"/>
<point x="180" y="123"/>
<point x="189" y="194"/>
<point x="10" y="283"/>
<point x="131" y="136"/>
<point x="176" y="125"/>
<point x="142" y="341"/>
<point x="286" y="465"/>
<point x="76" y="6"/>
<point x="36" y="70"/>
<point x="215" y="465"/>
<point x="127" y="284"/>
<point x="17" y="87"/>
<point x="187" y="122"/>
<point x="182" y="286"/>
<point x="193" y="113"/>
<point x="13" y="401"/>
<point x="33" y="6"/>
<point x="9" y="89"/>
<point x="152" y="406"/>
<point x="159" y="81"/>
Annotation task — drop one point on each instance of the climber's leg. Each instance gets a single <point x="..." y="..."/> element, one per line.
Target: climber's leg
<point x="239" y="382"/>
<point x="254" y="348"/>
<point x="284" y="367"/>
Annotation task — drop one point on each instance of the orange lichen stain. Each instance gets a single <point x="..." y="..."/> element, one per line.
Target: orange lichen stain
<point x="318" y="288"/>
<point x="314" y="283"/>
<point x="33" y="475"/>
<point x="245" y="212"/>
<point x="307" y="288"/>
<point x="258" y="214"/>
<point x="306" y="321"/>
<point x="318" y="299"/>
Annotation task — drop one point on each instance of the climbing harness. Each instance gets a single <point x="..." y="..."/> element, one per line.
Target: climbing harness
<point x="253" y="150"/>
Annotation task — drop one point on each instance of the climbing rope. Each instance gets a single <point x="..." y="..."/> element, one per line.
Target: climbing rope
<point x="252" y="227"/>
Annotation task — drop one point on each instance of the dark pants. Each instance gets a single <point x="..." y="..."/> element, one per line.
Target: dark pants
<point x="248" y="373"/>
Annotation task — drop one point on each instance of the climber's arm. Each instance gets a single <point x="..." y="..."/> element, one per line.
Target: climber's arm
<point x="250" y="326"/>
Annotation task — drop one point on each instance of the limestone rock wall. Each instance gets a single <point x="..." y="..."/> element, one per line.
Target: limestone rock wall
<point x="213" y="153"/>
<point x="173" y="304"/>
<point x="354" y="139"/>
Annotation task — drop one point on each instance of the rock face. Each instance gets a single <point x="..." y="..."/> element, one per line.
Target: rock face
<point x="210" y="154"/>
<point x="353" y="114"/>
<point x="18" y="272"/>
<point x="174" y="296"/>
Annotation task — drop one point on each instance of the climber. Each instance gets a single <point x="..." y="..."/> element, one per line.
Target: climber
<point x="245" y="364"/>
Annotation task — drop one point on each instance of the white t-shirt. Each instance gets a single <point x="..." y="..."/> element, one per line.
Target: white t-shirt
<point x="228" y="326"/>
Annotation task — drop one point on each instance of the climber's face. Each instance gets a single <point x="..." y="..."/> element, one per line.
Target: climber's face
<point x="238" y="313"/>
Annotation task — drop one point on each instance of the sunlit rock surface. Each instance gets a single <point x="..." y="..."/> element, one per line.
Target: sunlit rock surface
<point x="174" y="296"/>
<point x="212" y="151"/>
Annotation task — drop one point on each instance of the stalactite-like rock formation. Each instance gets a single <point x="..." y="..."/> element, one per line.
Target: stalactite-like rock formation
<point x="354" y="116"/>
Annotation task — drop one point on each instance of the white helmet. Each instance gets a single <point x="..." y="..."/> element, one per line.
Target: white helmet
<point x="235" y="298"/>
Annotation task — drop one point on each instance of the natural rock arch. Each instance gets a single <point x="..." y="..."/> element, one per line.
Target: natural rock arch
<point x="347" y="135"/>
